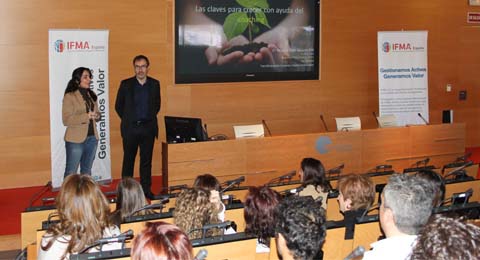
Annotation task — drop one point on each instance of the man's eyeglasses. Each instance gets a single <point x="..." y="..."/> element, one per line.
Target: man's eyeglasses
<point x="141" y="67"/>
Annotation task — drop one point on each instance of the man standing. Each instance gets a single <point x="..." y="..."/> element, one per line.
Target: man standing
<point x="137" y="105"/>
<point x="407" y="203"/>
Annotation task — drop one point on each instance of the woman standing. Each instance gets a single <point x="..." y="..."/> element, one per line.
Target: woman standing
<point x="79" y="113"/>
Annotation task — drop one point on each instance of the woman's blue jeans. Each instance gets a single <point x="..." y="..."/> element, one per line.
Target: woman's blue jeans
<point x="81" y="154"/>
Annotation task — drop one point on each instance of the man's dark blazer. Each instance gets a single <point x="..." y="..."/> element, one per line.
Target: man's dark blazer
<point x="125" y="104"/>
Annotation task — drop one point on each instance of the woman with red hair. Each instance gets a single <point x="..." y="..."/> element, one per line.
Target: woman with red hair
<point x="161" y="241"/>
<point x="260" y="203"/>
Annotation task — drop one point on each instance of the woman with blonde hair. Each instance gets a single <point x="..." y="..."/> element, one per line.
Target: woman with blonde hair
<point x="356" y="192"/>
<point x="356" y="196"/>
<point x="130" y="198"/>
<point x="83" y="212"/>
<point x="193" y="210"/>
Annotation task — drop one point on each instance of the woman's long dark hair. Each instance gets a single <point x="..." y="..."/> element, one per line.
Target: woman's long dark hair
<point x="314" y="174"/>
<point x="74" y="83"/>
<point x="260" y="203"/>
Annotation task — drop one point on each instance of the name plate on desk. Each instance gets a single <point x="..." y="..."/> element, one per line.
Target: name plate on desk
<point x="248" y="131"/>
<point x="348" y="123"/>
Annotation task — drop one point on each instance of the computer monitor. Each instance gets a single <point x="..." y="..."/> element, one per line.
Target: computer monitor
<point x="184" y="130"/>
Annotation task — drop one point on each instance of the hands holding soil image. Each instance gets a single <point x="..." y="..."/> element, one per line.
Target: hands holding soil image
<point x="244" y="36"/>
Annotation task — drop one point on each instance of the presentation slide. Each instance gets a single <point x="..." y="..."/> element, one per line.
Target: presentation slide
<point x="246" y="40"/>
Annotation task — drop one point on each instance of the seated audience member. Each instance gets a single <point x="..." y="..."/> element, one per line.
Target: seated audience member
<point x="299" y="228"/>
<point x="438" y="183"/>
<point x="193" y="210"/>
<point x="161" y="241"/>
<point x="83" y="212"/>
<point x="445" y="238"/>
<point x="407" y="203"/>
<point x="314" y="181"/>
<point x="260" y="203"/>
<point x="356" y="196"/>
<point x="210" y="183"/>
<point x="130" y="198"/>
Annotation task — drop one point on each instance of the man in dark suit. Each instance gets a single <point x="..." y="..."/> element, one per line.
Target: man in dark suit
<point x="137" y="105"/>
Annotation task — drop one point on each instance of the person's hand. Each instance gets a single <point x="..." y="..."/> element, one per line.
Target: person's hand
<point x="215" y="57"/>
<point x="278" y="49"/>
<point x="93" y="115"/>
<point x="215" y="198"/>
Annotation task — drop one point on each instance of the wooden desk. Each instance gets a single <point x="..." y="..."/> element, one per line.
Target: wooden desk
<point x="31" y="222"/>
<point x="335" y="246"/>
<point x="262" y="159"/>
<point x="458" y="187"/>
<point x="365" y="234"/>
<point x="238" y="250"/>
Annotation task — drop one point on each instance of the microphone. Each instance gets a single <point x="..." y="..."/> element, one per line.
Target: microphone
<point x="337" y="169"/>
<point x="205" y="132"/>
<point x="266" y="126"/>
<point x="288" y="176"/>
<point x="424" y="161"/>
<point x="423" y="119"/>
<point x="372" y="208"/>
<point x="110" y="193"/>
<point x="170" y="189"/>
<point x="376" y="119"/>
<point x="233" y="182"/>
<point x="40" y="193"/>
<point x="151" y="206"/>
<point x="50" y="220"/>
<point x="201" y="255"/>
<point x="462" y="195"/>
<point x="463" y="157"/>
<point x="459" y="161"/>
<point x="459" y="170"/>
<point x="48" y="199"/>
<point x="292" y="191"/>
<point x="217" y="225"/>
<point x="324" y="124"/>
<point x="383" y="167"/>
<point x="116" y="239"/>
<point x="359" y="251"/>
<point x="210" y="226"/>
<point x="236" y="181"/>
<point x="177" y="187"/>
<point x="120" y="238"/>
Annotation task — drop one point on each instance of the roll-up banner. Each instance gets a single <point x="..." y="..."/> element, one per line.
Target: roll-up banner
<point x="69" y="49"/>
<point x="403" y="76"/>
